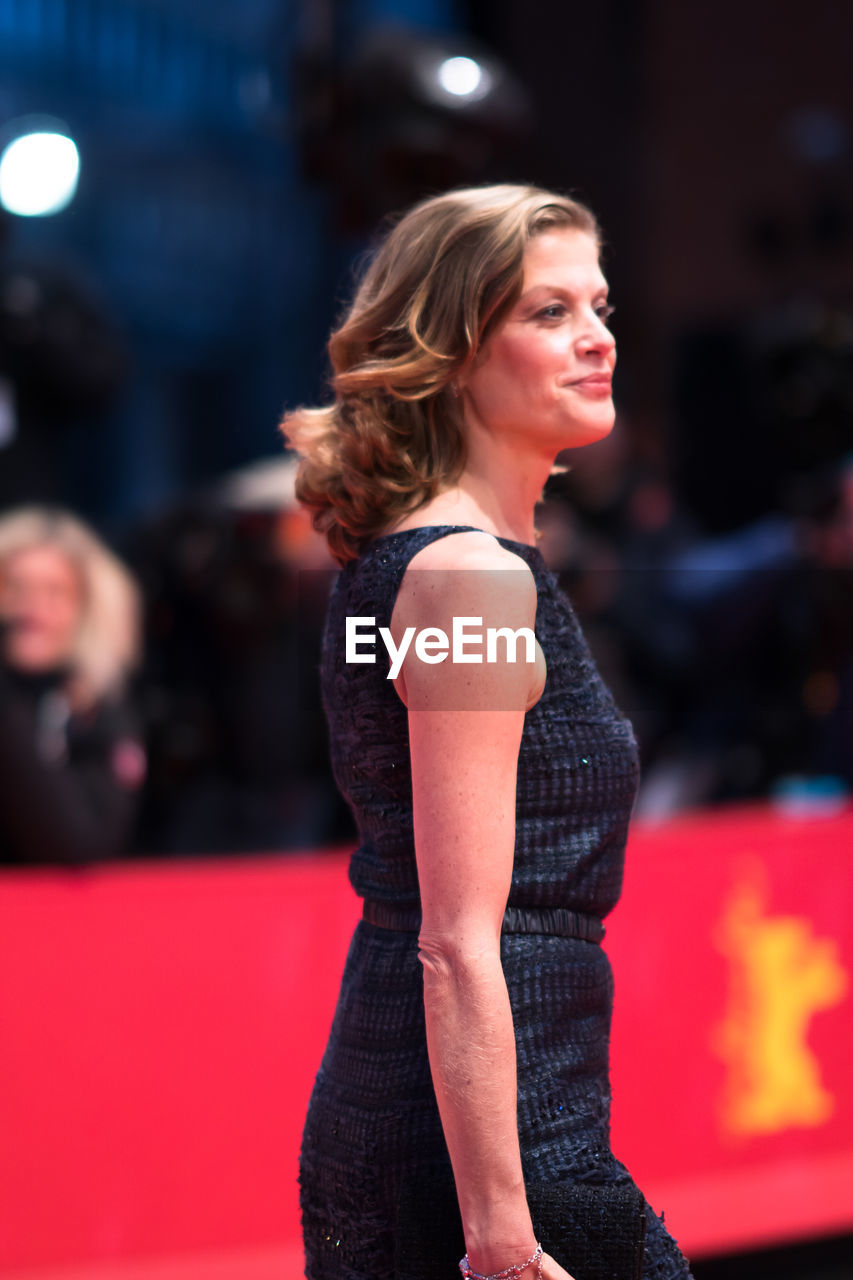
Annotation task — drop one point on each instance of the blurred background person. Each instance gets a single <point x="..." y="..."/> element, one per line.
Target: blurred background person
<point x="771" y="606"/>
<point x="72" y="760"/>
<point x="236" y="581"/>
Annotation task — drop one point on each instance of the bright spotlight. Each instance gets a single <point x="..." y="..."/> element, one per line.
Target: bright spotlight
<point x="38" y="174"/>
<point x="463" y="78"/>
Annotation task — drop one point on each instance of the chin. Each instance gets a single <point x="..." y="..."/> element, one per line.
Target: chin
<point x="588" y="432"/>
<point x="31" y="660"/>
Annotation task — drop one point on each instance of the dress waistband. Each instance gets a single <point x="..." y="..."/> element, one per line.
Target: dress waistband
<point x="559" y="921"/>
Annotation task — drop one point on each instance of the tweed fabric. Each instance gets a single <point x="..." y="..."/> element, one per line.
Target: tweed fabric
<point x="601" y="1228"/>
<point x="373" y="1120"/>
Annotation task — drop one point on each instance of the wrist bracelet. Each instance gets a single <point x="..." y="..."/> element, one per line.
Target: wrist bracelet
<point x="511" y="1273"/>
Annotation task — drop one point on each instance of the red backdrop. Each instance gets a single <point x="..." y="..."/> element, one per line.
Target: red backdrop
<point x="161" y="1024"/>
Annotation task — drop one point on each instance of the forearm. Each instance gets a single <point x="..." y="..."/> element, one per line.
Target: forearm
<point x="472" y="1054"/>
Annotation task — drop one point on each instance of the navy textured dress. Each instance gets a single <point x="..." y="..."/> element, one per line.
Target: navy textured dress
<point x="373" y="1115"/>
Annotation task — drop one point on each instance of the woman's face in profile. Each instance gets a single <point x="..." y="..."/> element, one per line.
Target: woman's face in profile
<point x="527" y="380"/>
<point x="40" y="604"/>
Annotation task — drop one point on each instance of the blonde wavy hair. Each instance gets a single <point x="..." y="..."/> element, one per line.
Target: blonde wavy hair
<point x="434" y="289"/>
<point x="107" y="644"/>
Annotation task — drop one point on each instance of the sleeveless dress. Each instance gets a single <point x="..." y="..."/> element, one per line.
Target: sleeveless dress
<point x="373" y="1117"/>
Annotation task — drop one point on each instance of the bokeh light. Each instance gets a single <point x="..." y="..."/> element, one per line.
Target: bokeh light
<point x="38" y="174"/>
<point x="464" y="78"/>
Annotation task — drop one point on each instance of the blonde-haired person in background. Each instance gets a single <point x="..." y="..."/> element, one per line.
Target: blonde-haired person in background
<point x="492" y="800"/>
<point x="72" y="759"/>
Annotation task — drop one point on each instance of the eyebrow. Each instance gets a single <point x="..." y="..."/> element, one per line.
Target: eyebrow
<point x="566" y="293"/>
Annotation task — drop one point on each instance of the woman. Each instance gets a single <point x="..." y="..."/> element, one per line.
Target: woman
<point x="71" y="755"/>
<point x="473" y="1017"/>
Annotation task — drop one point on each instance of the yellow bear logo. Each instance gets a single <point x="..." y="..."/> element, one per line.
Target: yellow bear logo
<point x="780" y="976"/>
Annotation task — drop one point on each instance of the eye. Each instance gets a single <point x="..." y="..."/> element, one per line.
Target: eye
<point x="558" y="310"/>
<point x="554" y="311"/>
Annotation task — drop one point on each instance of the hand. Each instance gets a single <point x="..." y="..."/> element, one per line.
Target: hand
<point x="552" y="1270"/>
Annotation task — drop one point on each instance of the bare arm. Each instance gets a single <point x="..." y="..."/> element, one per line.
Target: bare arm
<point x="465" y="725"/>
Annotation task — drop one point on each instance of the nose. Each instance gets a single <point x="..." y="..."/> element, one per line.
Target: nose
<point x="596" y="338"/>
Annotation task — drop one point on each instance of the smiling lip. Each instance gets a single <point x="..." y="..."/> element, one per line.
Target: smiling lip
<point x="601" y="380"/>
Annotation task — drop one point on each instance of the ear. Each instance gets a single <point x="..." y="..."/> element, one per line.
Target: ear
<point x="460" y="383"/>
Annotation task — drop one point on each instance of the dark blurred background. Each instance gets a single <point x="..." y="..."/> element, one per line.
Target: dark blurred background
<point x="234" y="161"/>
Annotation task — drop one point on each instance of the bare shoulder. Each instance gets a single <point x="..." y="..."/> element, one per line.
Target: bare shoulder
<point x="469" y="549"/>
<point x="464" y="573"/>
<point x="462" y="595"/>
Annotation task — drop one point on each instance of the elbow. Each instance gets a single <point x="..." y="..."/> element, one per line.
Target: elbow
<point x="456" y="956"/>
<point x="437" y="961"/>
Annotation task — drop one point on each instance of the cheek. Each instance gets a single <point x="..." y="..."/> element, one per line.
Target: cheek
<point x="64" y="617"/>
<point x="530" y="360"/>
